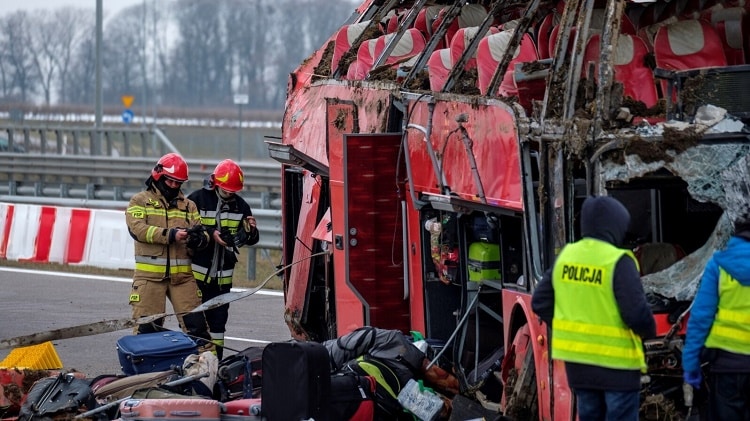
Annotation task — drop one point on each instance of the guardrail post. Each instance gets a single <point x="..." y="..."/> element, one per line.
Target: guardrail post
<point x="43" y="141"/>
<point x="64" y="190"/>
<point x="12" y="187"/>
<point x="38" y="189"/>
<point x="76" y="142"/>
<point x="90" y="191"/>
<point x="59" y="140"/>
<point x="252" y="254"/>
<point x="117" y="193"/>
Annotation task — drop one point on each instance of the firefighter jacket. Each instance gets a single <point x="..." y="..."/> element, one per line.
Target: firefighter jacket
<point x="718" y="330"/>
<point x="150" y="219"/>
<point x="216" y="263"/>
<point x="587" y="326"/>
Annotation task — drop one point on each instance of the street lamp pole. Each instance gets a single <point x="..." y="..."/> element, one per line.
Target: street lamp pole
<point x="240" y="100"/>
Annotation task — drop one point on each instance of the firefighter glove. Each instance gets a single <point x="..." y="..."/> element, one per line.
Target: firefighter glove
<point x="197" y="238"/>
<point x="693" y="378"/>
<point x="246" y="235"/>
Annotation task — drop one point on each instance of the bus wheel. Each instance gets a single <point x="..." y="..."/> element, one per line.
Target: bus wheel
<point x="520" y="384"/>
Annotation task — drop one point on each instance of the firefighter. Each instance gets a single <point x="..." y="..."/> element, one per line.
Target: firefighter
<point x="166" y="229"/>
<point x="719" y="328"/>
<point x="230" y="224"/>
<point x="593" y="300"/>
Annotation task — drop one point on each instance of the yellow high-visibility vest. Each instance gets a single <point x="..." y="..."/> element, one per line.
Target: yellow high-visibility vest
<point x="587" y="327"/>
<point x="731" y="328"/>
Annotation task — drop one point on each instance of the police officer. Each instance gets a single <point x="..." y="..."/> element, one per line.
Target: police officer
<point x="159" y="219"/>
<point x="230" y="224"/>
<point x="594" y="302"/>
<point x="719" y="328"/>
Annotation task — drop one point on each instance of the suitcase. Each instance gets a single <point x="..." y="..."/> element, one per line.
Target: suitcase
<point x="170" y="409"/>
<point x="296" y="381"/>
<point x="352" y="397"/>
<point x="158" y="351"/>
<point x="484" y="262"/>
<point x="240" y="375"/>
<point x="242" y="410"/>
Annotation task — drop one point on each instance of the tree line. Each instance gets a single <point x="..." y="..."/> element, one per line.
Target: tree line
<point x="176" y="53"/>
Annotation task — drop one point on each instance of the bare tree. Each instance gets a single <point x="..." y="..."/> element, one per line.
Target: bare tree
<point x="19" y="55"/>
<point x="74" y="24"/>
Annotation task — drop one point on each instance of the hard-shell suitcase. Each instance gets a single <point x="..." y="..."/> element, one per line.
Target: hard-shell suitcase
<point x="242" y="410"/>
<point x="352" y="397"/>
<point x="296" y="381"/>
<point x="158" y="351"/>
<point x="170" y="409"/>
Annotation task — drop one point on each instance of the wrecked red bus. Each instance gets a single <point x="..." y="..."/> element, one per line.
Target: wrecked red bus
<point x="436" y="155"/>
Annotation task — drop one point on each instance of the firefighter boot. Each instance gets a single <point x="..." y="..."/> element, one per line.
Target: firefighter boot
<point x="196" y="328"/>
<point x="218" y="341"/>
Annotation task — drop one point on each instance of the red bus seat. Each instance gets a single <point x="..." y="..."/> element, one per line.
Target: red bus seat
<point x="688" y="44"/>
<point x="439" y="67"/>
<point x="463" y="38"/>
<point x="733" y="26"/>
<point x="344" y="39"/>
<point x="629" y="66"/>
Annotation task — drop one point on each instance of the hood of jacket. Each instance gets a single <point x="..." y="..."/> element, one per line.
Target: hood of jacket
<point x="604" y="218"/>
<point x="735" y="258"/>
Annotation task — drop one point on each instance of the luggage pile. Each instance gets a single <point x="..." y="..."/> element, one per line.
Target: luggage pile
<point x="368" y="375"/>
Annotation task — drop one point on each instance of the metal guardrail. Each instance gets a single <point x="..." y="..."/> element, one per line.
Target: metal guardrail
<point x="107" y="178"/>
<point x="64" y="139"/>
<point x="108" y="183"/>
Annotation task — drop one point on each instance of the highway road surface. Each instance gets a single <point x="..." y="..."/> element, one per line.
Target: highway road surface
<point x="35" y="301"/>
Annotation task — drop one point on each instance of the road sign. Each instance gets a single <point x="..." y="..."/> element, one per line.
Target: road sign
<point x="127" y="100"/>
<point x="241" y="99"/>
<point x="127" y="116"/>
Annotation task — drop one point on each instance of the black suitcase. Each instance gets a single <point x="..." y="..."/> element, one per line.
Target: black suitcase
<point x="149" y="352"/>
<point x="296" y="381"/>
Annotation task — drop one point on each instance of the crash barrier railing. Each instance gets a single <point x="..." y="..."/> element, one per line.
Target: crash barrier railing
<point x="92" y="237"/>
<point x="109" y="178"/>
<point x="64" y="139"/>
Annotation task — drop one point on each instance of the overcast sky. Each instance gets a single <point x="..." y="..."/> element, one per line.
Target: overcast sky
<point x="110" y="6"/>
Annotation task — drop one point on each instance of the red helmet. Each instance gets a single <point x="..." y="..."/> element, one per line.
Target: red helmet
<point x="228" y="175"/>
<point x="171" y="166"/>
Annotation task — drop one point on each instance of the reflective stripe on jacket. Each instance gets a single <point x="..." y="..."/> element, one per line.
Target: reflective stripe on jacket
<point x="149" y="220"/>
<point x="731" y="328"/>
<point x="587" y="327"/>
<point x="231" y="214"/>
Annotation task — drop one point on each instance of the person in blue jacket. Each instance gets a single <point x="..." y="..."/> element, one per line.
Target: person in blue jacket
<point x="718" y="331"/>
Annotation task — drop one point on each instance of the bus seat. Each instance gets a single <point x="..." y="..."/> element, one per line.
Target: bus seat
<point x="463" y="38"/>
<point x="629" y="66"/>
<point x="489" y="54"/>
<point x="345" y="38"/>
<point x="688" y="44"/>
<point x="732" y="25"/>
<point x="439" y="67"/>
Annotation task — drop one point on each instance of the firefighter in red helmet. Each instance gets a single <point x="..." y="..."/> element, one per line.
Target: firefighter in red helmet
<point x="166" y="228"/>
<point x="230" y="223"/>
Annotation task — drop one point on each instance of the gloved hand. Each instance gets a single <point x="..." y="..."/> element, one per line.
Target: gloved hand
<point x="247" y="234"/>
<point x="197" y="238"/>
<point x="693" y="378"/>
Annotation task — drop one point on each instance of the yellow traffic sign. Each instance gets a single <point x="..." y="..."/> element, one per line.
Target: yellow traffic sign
<point x="127" y="100"/>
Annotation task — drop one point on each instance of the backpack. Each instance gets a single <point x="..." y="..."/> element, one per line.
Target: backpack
<point x="387" y="387"/>
<point x="54" y="397"/>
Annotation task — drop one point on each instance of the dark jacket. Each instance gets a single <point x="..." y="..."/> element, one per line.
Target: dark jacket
<point x="235" y="209"/>
<point x="735" y="260"/>
<point x="603" y="218"/>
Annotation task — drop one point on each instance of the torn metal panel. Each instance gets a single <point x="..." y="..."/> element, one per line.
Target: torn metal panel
<point x="716" y="173"/>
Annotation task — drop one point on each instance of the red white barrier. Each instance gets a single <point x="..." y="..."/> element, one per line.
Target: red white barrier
<point x="91" y="237"/>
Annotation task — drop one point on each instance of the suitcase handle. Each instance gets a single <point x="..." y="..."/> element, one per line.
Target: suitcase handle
<point x="185" y="413"/>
